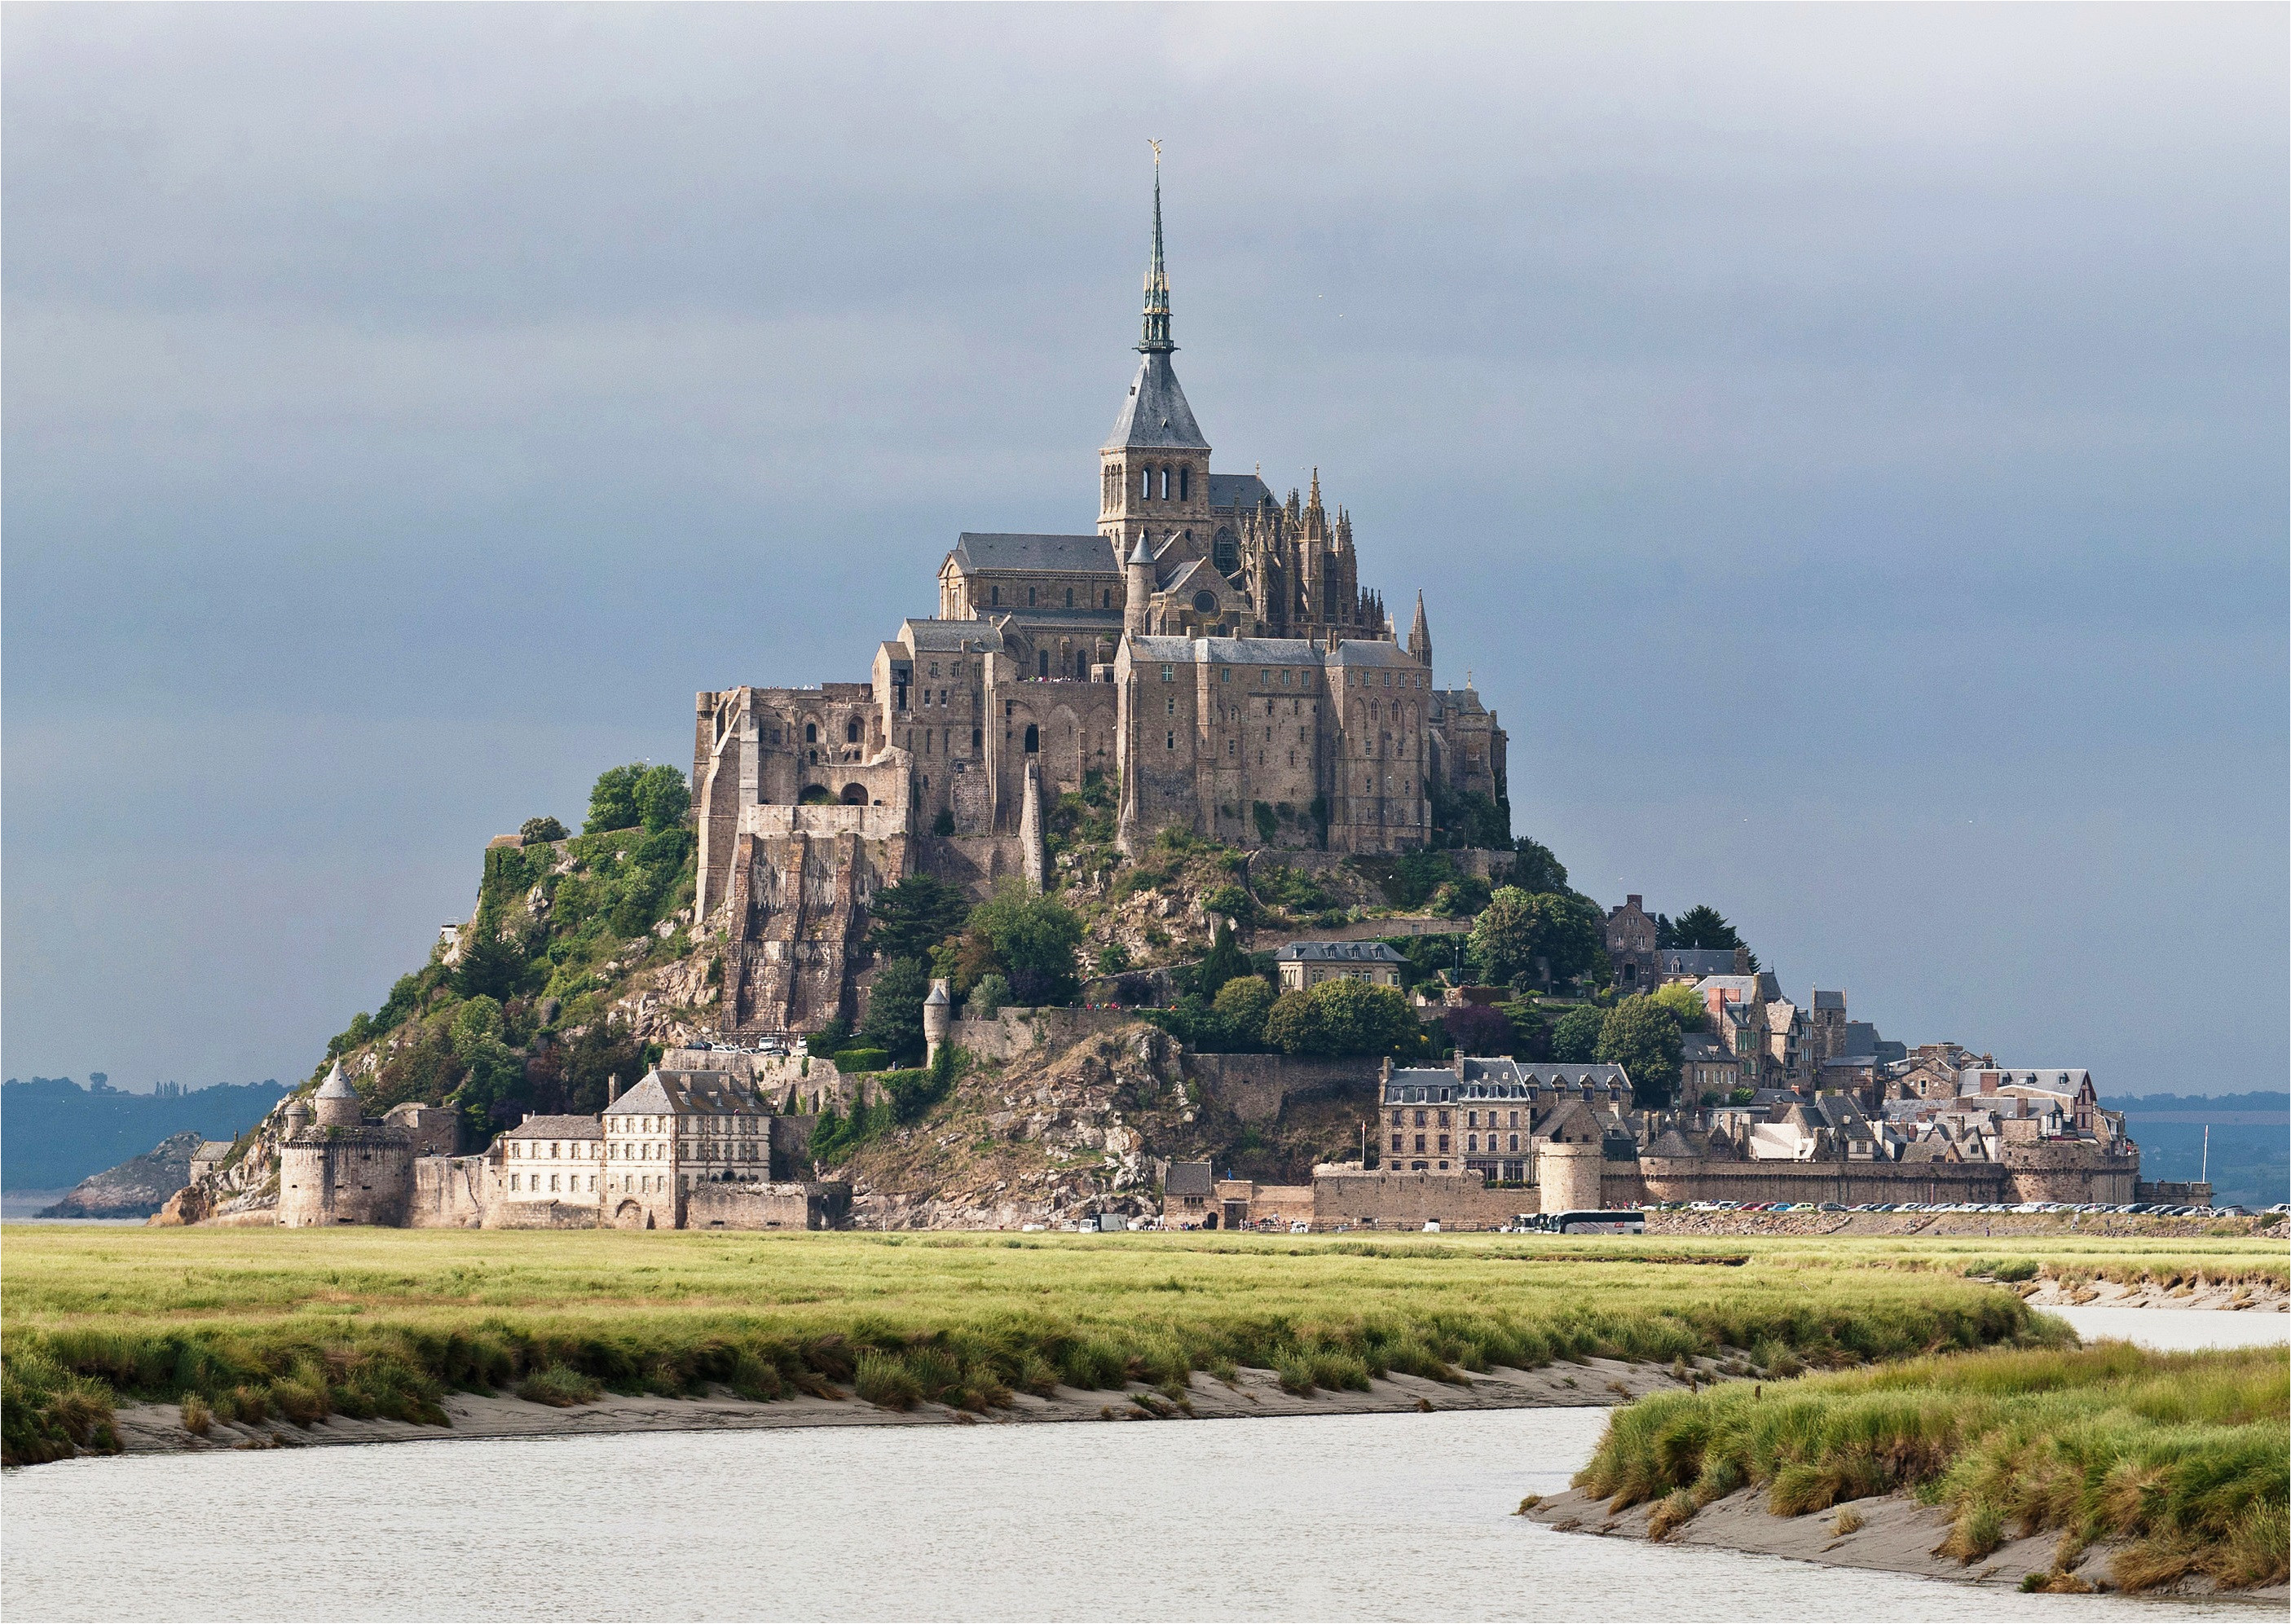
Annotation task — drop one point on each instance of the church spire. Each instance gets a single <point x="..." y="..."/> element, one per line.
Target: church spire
<point x="1419" y="635"/>
<point x="1157" y="276"/>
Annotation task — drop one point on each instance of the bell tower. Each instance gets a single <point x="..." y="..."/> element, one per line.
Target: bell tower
<point x="1153" y="469"/>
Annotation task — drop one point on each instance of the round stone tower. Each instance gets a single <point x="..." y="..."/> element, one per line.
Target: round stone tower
<point x="338" y="1103"/>
<point x="1568" y="1176"/>
<point x="935" y="1015"/>
<point x="298" y="1115"/>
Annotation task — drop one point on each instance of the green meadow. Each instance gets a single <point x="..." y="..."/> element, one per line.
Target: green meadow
<point x="301" y="1324"/>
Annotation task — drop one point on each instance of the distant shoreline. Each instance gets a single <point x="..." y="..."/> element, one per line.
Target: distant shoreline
<point x="154" y="1430"/>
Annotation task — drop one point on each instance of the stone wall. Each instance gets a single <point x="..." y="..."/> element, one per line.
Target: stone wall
<point x="1254" y="1086"/>
<point x="974" y="862"/>
<point x="1410" y="1200"/>
<point x="1850" y="1183"/>
<point x="767" y="1206"/>
<point x="451" y="1192"/>
<point x="543" y="1215"/>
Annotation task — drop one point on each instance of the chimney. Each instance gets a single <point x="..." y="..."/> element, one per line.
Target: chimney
<point x="1988" y="1083"/>
<point x="612" y="1088"/>
<point x="1633" y="901"/>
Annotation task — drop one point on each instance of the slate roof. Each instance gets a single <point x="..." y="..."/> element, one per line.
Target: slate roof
<point x="977" y="549"/>
<point x="1696" y="961"/>
<point x="1828" y="1001"/>
<point x="1673" y="1143"/>
<point x="1372" y="651"/>
<point x="1238" y="491"/>
<point x="689" y="1094"/>
<point x="558" y="1127"/>
<point x="1155" y="415"/>
<point x="1187" y="1178"/>
<point x="1226" y="650"/>
<point x="336" y="1086"/>
<point x="951" y="635"/>
<point x="1337" y="952"/>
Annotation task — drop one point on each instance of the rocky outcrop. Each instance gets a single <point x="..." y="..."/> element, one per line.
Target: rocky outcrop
<point x="1085" y="1122"/>
<point x="136" y="1189"/>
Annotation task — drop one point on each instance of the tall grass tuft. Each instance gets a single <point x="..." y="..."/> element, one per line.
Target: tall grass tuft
<point x="2184" y="1460"/>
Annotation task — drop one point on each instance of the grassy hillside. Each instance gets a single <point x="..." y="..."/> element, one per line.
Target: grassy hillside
<point x="530" y="1009"/>
<point x="300" y="1322"/>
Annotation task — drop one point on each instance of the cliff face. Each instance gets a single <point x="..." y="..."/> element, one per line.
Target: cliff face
<point x="1078" y="1124"/>
<point x="136" y="1189"/>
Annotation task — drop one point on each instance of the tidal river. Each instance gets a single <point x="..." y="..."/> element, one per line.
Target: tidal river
<point x="1382" y="1517"/>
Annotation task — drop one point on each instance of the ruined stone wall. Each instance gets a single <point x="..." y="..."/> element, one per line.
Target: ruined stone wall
<point x="803" y="1205"/>
<point x="544" y="1215"/>
<point x="1254" y="1086"/>
<point x="1410" y="1200"/>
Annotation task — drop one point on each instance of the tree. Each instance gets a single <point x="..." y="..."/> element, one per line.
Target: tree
<point x="492" y="963"/>
<point x="894" y="1011"/>
<point x="1028" y="940"/>
<point x="1534" y="869"/>
<point x="1641" y="1035"/>
<point x="1224" y="961"/>
<point x="988" y="997"/>
<point x="661" y="797"/>
<point x="1343" y="1017"/>
<point x="613" y="800"/>
<point x="535" y="831"/>
<point x="1575" y="1037"/>
<point x="1476" y="1029"/>
<point x="911" y="918"/>
<point x="1703" y="926"/>
<point x="1685" y="1004"/>
<point x="1241" y="1007"/>
<point x="1517" y="929"/>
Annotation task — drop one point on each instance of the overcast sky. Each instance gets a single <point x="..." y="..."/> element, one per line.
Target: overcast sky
<point x="1847" y="445"/>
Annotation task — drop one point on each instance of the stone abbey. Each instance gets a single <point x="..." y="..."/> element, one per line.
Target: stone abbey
<point x="1207" y="651"/>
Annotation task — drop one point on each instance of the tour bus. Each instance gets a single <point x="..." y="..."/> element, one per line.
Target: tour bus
<point x="1630" y="1223"/>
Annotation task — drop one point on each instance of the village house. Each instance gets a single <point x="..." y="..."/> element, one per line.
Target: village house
<point x="1630" y="947"/>
<point x="1308" y="964"/>
<point x="553" y="1159"/>
<point x="675" y="1130"/>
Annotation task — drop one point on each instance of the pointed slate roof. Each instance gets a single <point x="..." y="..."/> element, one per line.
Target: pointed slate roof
<point x="1155" y="417"/>
<point x="336" y="1086"/>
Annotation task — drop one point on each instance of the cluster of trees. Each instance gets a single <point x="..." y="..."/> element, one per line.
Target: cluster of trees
<point x="1523" y="936"/>
<point x="1014" y="947"/>
<point x="637" y="795"/>
<point x="1234" y="1007"/>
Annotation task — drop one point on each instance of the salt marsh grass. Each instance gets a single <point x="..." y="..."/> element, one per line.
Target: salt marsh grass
<point x="2181" y="1460"/>
<point x="300" y="1323"/>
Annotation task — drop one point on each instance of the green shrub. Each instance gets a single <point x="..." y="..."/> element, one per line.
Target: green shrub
<point x="861" y="1061"/>
<point x="561" y="1386"/>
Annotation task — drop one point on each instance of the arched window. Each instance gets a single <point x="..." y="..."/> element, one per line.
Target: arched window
<point x="1069" y="598"/>
<point x="1145" y="484"/>
<point x="851" y="733"/>
<point x="1033" y="738"/>
<point x="1165" y="484"/>
<point x="1185" y="484"/>
<point x="1225" y="552"/>
<point x="1043" y="669"/>
<point x="1082" y="664"/>
<point x="811" y="733"/>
